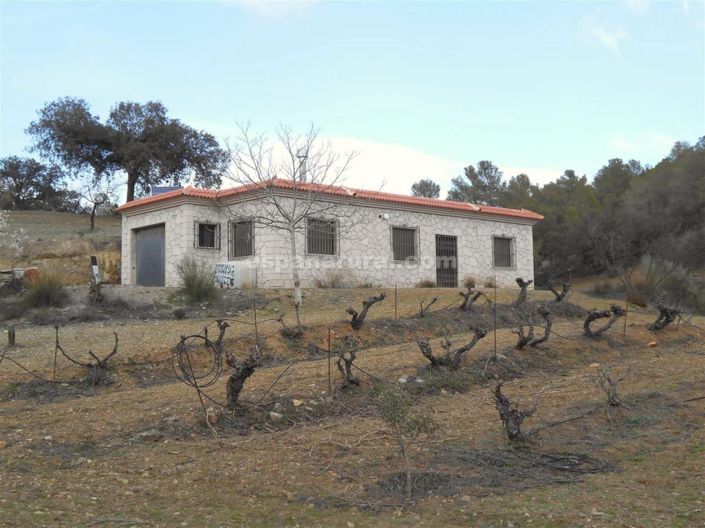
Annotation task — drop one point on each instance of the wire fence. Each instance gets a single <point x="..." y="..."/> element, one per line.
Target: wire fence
<point x="184" y="371"/>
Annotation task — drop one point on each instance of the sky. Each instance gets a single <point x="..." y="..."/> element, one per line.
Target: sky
<point x="417" y="89"/>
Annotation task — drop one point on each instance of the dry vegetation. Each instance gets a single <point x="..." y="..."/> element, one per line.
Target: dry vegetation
<point x="139" y="453"/>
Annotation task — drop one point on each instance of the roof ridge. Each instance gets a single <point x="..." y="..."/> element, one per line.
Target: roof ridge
<point x="336" y="190"/>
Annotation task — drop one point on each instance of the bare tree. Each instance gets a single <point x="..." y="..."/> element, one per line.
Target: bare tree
<point x="563" y="294"/>
<point x="98" y="196"/>
<point x="526" y="337"/>
<point x="665" y="317"/>
<point x="451" y="358"/>
<point x="98" y="371"/>
<point x="547" y="326"/>
<point x="291" y="173"/>
<point x="614" y="313"/>
<point x="347" y="354"/>
<point x="523" y="285"/>
<point x="608" y="383"/>
<point x="469" y="297"/>
<point x="510" y="414"/>
<point x="424" y="307"/>
<point x="241" y="371"/>
<point x="358" y="319"/>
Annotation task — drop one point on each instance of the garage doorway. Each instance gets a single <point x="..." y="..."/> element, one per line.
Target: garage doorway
<point x="149" y="244"/>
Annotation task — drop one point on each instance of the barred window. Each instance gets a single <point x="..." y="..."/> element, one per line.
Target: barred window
<point x="206" y="236"/>
<point x="503" y="252"/>
<point x="404" y="243"/>
<point x="241" y="244"/>
<point x="321" y="237"/>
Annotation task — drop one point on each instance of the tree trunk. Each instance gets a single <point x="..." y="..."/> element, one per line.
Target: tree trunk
<point x="298" y="299"/>
<point x="131" y="182"/>
<point x="407" y="466"/>
<point x="93" y="217"/>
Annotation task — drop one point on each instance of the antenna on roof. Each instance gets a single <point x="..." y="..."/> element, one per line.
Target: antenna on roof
<point x="302" y="155"/>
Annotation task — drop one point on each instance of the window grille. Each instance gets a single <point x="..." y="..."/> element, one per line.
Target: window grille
<point x="206" y="236"/>
<point x="404" y="243"/>
<point x="503" y="252"/>
<point x="321" y="237"/>
<point x="242" y="239"/>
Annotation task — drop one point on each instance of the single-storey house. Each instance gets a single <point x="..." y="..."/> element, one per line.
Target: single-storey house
<point x="368" y="237"/>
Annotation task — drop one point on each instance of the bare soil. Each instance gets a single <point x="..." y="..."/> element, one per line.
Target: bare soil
<point x="294" y="453"/>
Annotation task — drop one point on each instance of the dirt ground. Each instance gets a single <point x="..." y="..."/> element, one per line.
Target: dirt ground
<point x="138" y="452"/>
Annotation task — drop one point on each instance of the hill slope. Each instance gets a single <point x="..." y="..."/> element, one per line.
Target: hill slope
<point x="62" y="243"/>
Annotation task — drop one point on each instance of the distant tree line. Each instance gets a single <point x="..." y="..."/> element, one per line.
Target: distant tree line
<point x="626" y="212"/>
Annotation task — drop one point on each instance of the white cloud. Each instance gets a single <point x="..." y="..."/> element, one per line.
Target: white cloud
<point x="647" y="147"/>
<point x="638" y="7"/>
<point x="272" y="8"/>
<point x="394" y="168"/>
<point x="611" y="38"/>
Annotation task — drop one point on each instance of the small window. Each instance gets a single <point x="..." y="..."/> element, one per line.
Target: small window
<point x="207" y="236"/>
<point x="404" y="243"/>
<point x="321" y="237"/>
<point x="242" y="239"/>
<point x="503" y="252"/>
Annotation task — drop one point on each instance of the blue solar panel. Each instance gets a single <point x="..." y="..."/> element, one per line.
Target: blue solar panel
<point x="164" y="189"/>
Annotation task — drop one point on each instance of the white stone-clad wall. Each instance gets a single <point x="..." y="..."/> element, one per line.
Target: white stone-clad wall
<point x="178" y="223"/>
<point x="365" y="251"/>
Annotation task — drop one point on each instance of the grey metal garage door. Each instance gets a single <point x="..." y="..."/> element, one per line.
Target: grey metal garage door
<point x="150" y="256"/>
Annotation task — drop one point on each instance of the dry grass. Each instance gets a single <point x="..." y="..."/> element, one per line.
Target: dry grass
<point x="77" y="461"/>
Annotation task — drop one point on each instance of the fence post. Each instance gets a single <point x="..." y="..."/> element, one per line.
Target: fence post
<point x="11" y="336"/>
<point x="254" y="311"/>
<point x="395" y="301"/>
<point x="494" y="317"/>
<point x="330" y="381"/>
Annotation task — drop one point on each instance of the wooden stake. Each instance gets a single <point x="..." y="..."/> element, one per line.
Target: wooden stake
<point x="494" y="316"/>
<point x="395" y="301"/>
<point x="254" y="311"/>
<point x="330" y="381"/>
<point x="11" y="336"/>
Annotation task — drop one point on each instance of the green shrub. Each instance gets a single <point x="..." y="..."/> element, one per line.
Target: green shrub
<point x="426" y="283"/>
<point x="197" y="281"/>
<point x="46" y="290"/>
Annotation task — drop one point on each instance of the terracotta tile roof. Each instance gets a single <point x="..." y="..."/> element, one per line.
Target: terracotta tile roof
<point x="337" y="191"/>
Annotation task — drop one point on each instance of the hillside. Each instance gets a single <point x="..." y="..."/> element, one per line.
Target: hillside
<point x="61" y="243"/>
